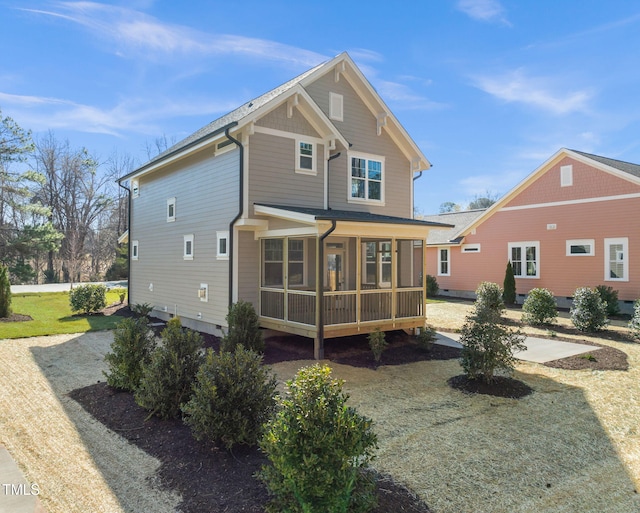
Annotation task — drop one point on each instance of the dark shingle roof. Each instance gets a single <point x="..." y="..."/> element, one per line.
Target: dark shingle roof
<point x="627" y="167"/>
<point x="348" y="215"/>
<point x="458" y="220"/>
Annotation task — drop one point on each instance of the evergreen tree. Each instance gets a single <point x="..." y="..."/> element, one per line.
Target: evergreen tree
<point x="509" y="286"/>
<point x="5" y="292"/>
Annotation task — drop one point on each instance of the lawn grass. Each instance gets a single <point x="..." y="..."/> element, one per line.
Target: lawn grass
<point x="52" y="315"/>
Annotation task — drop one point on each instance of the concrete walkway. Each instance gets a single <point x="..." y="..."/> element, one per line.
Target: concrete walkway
<point x="539" y="350"/>
<point x="16" y="494"/>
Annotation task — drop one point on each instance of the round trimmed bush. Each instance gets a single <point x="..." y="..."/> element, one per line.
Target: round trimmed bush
<point x="233" y="397"/>
<point x="540" y="307"/>
<point x="489" y="304"/>
<point x="432" y="286"/>
<point x="634" y="324"/>
<point x="244" y="328"/>
<point x="588" y="312"/>
<point x="131" y="349"/>
<point x="88" y="298"/>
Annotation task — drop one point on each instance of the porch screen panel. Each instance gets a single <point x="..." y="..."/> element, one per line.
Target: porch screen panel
<point x="375" y="306"/>
<point x="301" y="308"/>
<point x="339" y="309"/>
<point x="409" y="303"/>
<point x="272" y="304"/>
<point x="272" y="258"/>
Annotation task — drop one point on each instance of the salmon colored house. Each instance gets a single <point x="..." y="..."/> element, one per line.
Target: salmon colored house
<point x="573" y="222"/>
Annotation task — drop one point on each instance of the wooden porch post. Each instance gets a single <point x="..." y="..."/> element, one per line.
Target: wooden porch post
<point x="424" y="280"/>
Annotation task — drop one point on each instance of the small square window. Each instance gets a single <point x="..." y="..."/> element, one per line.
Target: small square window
<point x="222" y="245"/>
<point x="134" y="250"/>
<point x="581" y="247"/>
<point x="171" y="210"/>
<point x="188" y="247"/>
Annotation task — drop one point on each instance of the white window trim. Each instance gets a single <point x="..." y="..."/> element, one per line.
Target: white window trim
<point x="299" y="155"/>
<point x="336" y="107"/>
<point x="220" y="236"/>
<point x="524" y="245"/>
<point x="471" y="248"/>
<point x="171" y="202"/>
<point x="135" y="250"/>
<point x="624" y="241"/>
<point x="448" y="250"/>
<point x="203" y="293"/>
<point x="379" y="263"/>
<point x="365" y="200"/>
<point x="135" y="188"/>
<point x="581" y="242"/>
<point x="185" y="255"/>
<point x="566" y="176"/>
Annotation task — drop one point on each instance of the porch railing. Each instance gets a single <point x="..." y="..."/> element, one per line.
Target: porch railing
<point x="342" y="307"/>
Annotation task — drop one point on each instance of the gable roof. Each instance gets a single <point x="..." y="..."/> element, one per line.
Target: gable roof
<point x="342" y="65"/>
<point x="457" y="221"/>
<point x="624" y="170"/>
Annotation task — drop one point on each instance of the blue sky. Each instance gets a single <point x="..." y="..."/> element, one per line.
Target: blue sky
<point x="489" y="89"/>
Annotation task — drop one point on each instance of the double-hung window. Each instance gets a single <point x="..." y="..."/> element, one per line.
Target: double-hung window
<point x="443" y="262"/>
<point x="295" y="273"/>
<point x="525" y="259"/>
<point x="616" y="263"/>
<point x="305" y="161"/>
<point x="272" y="275"/>
<point x="367" y="179"/>
<point x="377" y="264"/>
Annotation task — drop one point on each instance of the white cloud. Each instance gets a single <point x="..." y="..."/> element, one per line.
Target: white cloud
<point x="483" y="10"/>
<point x="516" y="86"/>
<point x="136" y="116"/>
<point x="136" y="31"/>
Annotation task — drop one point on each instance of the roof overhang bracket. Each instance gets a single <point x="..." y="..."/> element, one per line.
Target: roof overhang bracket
<point x="291" y="103"/>
<point x="340" y="68"/>
<point x="382" y="121"/>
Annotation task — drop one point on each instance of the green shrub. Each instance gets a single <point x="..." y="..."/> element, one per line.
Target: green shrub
<point x="588" y="312"/>
<point x="488" y="347"/>
<point x="167" y="379"/>
<point x="142" y="310"/>
<point x="243" y="328"/>
<point x="634" y="323"/>
<point x="88" y="298"/>
<point x="610" y="297"/>
<point x="509" y="286"/>
<point x="233" y="397"/>
<point x="377" y="343"/>
<point x="131" y="349"/>
<point x="432" y="286"/>
<point x="539" y="307"/>
<point x="318" y="449"/>
<point x="5" y="292"/>
<point x="426" y="337"/>
<point x="489" y="304"/>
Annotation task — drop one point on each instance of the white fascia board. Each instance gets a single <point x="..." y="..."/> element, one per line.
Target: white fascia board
<point x="603" y="167"/>
<point x="284" y="214"/>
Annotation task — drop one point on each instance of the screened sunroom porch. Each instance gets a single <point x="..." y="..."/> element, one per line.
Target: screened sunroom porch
<point x="350" y="273"/>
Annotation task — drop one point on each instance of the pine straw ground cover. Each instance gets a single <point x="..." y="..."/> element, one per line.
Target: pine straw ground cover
<point x="572" y="445"/>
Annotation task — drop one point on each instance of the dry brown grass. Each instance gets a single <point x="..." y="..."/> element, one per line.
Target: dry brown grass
<point x="573" y="445"/>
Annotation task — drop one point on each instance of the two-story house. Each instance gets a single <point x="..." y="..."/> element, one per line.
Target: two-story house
<point x="299" y="201"/>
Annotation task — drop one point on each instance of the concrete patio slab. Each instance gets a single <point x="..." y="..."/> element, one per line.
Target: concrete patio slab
<point x="16" y="494"/>
<point x="539" y="350"/>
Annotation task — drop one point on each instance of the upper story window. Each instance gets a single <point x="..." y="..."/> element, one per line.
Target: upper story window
<point x="367" y="179"/>
<point x="616" y="263"/>
<point x="305" y="157"/>
<point x="171" y="210"/>
<point x="135" y="188"/>
<point x="134" y="250"/>
<point x="525" y="259"/>
<point x="566" y="176"/>
<point x="336" y="107"/>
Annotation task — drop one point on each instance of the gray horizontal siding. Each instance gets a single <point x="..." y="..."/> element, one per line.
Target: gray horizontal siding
<point x="206" y="192"/>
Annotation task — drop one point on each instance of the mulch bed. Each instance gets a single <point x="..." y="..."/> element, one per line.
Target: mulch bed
<point x="501" y="386"/>
<point x="605" y="359"/>
<point x="14" y="317"/>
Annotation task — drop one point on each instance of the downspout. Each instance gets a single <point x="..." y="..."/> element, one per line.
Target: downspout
<point x="331" y="157"/>
<point x="318" y="346"/>
<point x="240" y="210"/>
<point x="128" y="244"/>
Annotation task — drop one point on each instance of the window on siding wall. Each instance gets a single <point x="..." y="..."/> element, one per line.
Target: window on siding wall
<point x="305" y="158"/>
<point x="135" y="188"/>
<point x="525" y="259"/>
<point x="376" y="265"/>
<point x="222" y="244"/>
<point x="336" y="107"/>
<point x="581" y="247"/>
<point x="367" y="179"/>
<point x="444" y="268"/>
<point x="616" y="261"/>
<point x="171" y="210"/>
<point x="188" y="247"/>
<point x="134" y="250"/>
<point x="470" y="248"/>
